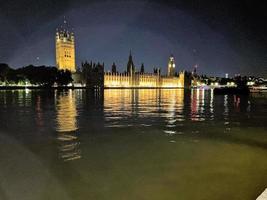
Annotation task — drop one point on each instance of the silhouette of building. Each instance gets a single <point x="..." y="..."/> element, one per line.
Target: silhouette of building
<point x="93" y="74"/>
<point x="130" y="65"/>
<point x="114" y="68"/>
<point x="65" y="48"/>
<point x="142" y="70"/>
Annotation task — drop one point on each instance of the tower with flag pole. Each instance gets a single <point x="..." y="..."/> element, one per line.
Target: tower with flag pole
<point x="65" y="48"/>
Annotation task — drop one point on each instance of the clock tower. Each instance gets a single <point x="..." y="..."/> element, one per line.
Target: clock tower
<point x="171" y="66"/>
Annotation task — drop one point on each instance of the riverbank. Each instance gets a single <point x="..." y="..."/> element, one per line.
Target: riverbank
<point x="77" y="87"/>
<point x="39" y="87"/>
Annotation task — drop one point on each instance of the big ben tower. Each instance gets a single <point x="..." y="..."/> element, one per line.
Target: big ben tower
<point x="171" y="66"/>
<point x="65" y="49"/>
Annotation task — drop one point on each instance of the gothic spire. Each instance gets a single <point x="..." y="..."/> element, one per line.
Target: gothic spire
<point x="130" y="65"/>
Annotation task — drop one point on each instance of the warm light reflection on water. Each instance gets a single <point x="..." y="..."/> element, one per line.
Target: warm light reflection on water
<point x="148" y="104"/>
<point x="170" y="105"/>
<point x="132" y="144"/>
<point x="66" y="111"/>
<point x="67" y="125"/>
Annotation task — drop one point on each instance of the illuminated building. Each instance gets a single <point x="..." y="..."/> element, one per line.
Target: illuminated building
<point x="171" y="66"/>
<point x="133" y="79"/>
<point x="94" y="76"/>
<point x="65" y="49"/>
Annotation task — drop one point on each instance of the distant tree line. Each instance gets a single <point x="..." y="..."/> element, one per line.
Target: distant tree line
<point x="37" y="75"/>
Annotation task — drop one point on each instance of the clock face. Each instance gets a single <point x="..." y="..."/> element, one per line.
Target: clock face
<point x="172" y="65"/>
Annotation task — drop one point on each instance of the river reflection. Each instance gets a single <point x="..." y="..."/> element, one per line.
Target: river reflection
<point x="125" y="108"/>
<point x="132" y="144"/>
<point x="67" y="125"/>
<point x="174" y="107"/>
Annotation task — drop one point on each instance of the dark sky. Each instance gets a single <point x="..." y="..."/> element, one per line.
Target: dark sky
<point x="220" y="36"/>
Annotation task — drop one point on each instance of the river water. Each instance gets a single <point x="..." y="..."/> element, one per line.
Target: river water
<point x="132" y="144"/>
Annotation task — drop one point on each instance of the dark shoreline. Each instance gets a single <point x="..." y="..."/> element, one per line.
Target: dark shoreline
<point x="229" y="90"/>
<point x="75" y="87"/>
<point x="38" y="88"/>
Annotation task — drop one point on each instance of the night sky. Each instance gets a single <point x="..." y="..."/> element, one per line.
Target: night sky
<point x="220" y="36"/>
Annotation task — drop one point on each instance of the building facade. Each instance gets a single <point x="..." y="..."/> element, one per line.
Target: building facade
<point x="65" y="49"/>
<point x="148" y="80"/>
<point x="94" y="76"/>
<point x="134" y="79"/>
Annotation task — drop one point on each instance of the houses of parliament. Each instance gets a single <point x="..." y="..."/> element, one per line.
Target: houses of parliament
<point x="93" y="75"/>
